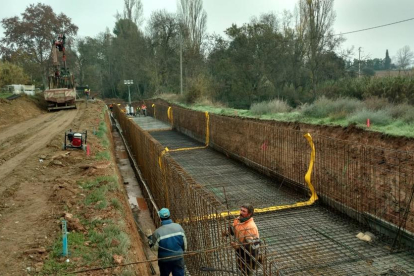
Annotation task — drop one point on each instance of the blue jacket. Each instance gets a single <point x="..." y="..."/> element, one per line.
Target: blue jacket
<point x="169" y="240"/>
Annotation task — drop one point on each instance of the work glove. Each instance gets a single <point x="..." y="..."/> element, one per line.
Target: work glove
<point x="235" y="245"/>
<point x="148" y="233"/>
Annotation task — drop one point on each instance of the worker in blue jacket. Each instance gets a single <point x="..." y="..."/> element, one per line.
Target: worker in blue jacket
<point x="170" y="241"/>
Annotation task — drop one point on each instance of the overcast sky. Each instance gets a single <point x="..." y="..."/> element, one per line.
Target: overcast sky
<point x="93" y="17"/>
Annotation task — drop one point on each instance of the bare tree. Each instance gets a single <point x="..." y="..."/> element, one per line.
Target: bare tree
<point x="193" y="21"/>
<point x="133" y="10"/>
<point x="404" y="58"/>
<point x="316" y="20"/>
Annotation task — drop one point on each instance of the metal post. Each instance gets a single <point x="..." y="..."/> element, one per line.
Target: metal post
<point x="359" y="62"/>
<point x="129" y="82"/>
<point x="129" y="95"/>
<point x="181" y="64"/>
<point x="65" y="252"/>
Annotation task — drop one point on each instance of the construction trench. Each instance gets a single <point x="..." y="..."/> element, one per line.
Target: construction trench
<point x="203" y="167"/>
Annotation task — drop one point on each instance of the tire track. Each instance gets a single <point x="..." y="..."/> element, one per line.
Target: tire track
<point x="48" y="129"/>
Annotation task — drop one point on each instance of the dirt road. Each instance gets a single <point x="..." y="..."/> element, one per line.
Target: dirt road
<point x="21" y="140"/>
<point x="26" y="186"/>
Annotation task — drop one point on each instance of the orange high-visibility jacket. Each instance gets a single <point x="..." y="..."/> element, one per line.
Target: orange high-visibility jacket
<point x="246" y="230"/>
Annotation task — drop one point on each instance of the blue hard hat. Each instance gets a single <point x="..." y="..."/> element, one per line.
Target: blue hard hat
<point x="164" y="213"/>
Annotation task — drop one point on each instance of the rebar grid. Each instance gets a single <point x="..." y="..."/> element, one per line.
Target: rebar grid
<point x="336" y="264"/>
<point x="175" y="140"/>
<point x="231" y="183"/>
<point x="316" y="241"/>
<point x="307" y="241"/>
<point x="149" y="124"/>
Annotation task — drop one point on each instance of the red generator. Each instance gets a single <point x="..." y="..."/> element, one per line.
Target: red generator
<point x="75" y="140"/>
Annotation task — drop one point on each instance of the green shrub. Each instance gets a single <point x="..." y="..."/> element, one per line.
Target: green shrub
<point x="398" y="111"/>
<point x="375" y="103"/>
<point x="324" y="107"/>
<point x="380" y="117"/>
<point x="274" y="106"/>
<point x="408" y="117"/>
<point x="345" y="106"/>
<point x="196" y="88"/>
<point x="318" y="109"/>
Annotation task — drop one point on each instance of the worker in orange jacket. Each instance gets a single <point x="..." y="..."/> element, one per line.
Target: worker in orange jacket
<point x="248" y="241"/>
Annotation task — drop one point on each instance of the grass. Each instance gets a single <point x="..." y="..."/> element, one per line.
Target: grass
<point x="98" y="189"/>
<point x="104" y="239"/>
<point x="385" y="117"/>
<point x="109" y="242"/>
<point x="102" y="130"/>
<point x="96" y="246"/>
<point x="103" y="155"/>
<point x="5" y="95"/>
<point x="96" y="195"/>
<point x="116" y="204"/>
<point x="379" y="117"/>
<point x="110" y="181"/>
<point x="56" y="265"/>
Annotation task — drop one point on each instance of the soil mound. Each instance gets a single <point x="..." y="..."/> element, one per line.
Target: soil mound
<point x="20" y="109"/>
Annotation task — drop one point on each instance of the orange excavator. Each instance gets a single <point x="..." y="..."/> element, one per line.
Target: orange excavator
<point x="62" y="92"/>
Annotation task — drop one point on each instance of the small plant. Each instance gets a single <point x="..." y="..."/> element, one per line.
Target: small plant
<point x="116" y="204"/>
<point x="101" y="205"/>
<point x="103" y="155"/>
<point x="96" y="195"/>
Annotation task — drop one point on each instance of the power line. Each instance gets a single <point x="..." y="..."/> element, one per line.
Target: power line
<point x="376" y="27"/>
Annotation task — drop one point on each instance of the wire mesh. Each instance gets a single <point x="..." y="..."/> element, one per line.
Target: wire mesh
<point x="188" y="202"/>
<point x="308" y="241"/>
<point x="231" y="183"/>
<point x="357" y="179"/>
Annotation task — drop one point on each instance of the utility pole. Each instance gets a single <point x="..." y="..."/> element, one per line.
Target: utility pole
<point x="181" y="64"/>
<point x="129" y="82"/>
<point x="359" y="62"/>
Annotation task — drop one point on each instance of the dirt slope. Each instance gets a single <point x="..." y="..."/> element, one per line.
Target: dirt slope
<point x="22" y="109"/>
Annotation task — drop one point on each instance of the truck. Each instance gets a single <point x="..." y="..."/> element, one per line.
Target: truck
<point x="61" y="92"/>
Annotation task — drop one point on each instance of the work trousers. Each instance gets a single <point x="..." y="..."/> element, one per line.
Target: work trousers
<point x="175" y="267"/>
<point x="246" y="260"/>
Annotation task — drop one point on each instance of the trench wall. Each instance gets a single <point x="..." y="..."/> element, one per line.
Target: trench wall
<point x="367" y="183"/>
<point x="188" y="202"/>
